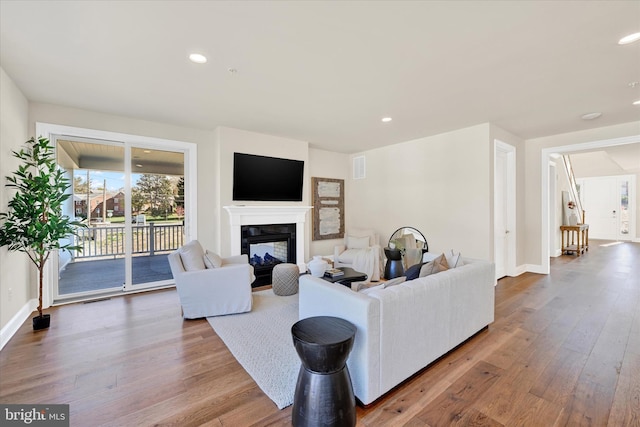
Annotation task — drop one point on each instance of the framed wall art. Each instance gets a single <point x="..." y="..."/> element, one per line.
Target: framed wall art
<point x="328" y="208"/>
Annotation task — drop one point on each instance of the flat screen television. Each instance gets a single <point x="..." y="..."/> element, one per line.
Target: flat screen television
<point x="262" y="178"/>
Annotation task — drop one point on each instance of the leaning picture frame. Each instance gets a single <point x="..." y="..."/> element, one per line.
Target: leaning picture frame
<point x="328" y="208"/>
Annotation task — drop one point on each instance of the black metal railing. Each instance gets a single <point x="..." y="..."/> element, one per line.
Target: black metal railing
<point x="109" y="241"/>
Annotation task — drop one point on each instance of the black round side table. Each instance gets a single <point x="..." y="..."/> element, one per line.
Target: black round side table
<point x="394" y="267"/>
<point x="324" y="393"/>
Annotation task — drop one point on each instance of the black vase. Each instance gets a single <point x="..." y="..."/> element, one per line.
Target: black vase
<point x="41" y="322"/>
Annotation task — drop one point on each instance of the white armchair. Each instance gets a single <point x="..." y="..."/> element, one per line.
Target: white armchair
<point x="360" y="251"/>
<point x="209" y="285"/>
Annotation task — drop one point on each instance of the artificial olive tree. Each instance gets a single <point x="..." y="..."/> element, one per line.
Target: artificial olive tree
<point x="34" y="223"/>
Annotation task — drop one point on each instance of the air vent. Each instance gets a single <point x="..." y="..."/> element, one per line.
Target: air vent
<point x="359" y="170"/>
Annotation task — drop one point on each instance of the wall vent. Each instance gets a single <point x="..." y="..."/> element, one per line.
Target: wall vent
<point x="359" y="170"/>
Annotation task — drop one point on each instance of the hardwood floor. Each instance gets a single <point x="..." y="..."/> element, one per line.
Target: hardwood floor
<point x="564" y="350"/>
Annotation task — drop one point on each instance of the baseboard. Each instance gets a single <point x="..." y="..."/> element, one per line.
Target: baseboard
<point x="535" y="268"/>
<point x="556" y="253"/>
<point x="521" y="269"/>
<point x="16" y="322"/>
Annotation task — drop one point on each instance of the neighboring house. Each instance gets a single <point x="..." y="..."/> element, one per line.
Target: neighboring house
<point x="114" y="204"/>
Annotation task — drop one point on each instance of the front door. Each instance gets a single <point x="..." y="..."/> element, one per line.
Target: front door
<point x="606" y="202"/>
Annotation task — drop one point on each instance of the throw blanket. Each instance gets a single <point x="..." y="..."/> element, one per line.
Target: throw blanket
<point x="367" y="261"/>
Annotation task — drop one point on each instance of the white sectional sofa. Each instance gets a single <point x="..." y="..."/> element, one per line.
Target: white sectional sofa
<point x="403" y="328"/>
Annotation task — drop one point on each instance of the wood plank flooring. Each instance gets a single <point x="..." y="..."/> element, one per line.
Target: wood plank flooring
<point x="564" y="350"/>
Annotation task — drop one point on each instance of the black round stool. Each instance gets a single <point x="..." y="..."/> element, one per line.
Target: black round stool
<point x="324" y="394"/>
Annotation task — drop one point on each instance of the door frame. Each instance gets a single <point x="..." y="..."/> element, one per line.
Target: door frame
<point x="49" y="130"/>
<point x="545" y="156"/>
<point x="510" y="200"/>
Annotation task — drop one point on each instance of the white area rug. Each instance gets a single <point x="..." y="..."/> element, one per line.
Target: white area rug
<point x="261" y="341"/>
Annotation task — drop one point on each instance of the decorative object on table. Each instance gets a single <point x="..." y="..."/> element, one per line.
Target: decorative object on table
<point x="573" y="218"/>
<point x="328" y="208"/>
<point x="333" y="272"/>
<point x="412" y="245"/>
<point x="34" y="223"/>
<point x="317" y="266"/>
<point x="285" y="279"/>
<point x="324" y="393"/>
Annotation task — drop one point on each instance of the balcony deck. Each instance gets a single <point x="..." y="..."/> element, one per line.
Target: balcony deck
<point x="94" y="275"/>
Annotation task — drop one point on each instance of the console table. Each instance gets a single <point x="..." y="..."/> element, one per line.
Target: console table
<point x="575" y="238"/>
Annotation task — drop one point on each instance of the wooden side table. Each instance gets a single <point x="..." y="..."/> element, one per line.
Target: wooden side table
<point x="575" y="238"/>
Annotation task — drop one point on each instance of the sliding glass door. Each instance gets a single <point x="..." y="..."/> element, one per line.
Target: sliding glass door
<point x="131" y="200"/>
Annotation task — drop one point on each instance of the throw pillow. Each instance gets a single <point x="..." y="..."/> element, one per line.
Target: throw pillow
<point x="212" y="260"/>
<point x="361" y="286"/>
<point x="436" y="266"/>
<point x="355" y="242"/>
<point x="454" y="259"/>
<point x="394" y="282"/>
<point x="413" y="272"/>
<point x="192" y="256"/>
<point x="371" y="289"/>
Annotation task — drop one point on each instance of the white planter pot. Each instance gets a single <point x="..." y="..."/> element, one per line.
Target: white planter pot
<point x="317" y="266"/>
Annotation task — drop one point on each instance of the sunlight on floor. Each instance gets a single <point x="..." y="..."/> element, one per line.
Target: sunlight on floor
<point x="606" y="245"/>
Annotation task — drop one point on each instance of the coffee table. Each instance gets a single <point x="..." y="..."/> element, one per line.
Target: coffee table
<point x="350" y="275"/>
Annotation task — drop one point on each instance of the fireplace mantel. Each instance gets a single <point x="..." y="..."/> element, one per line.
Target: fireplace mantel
<point x="259" y="215"/>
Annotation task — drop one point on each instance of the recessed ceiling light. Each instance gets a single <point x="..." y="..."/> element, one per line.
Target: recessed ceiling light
<point x="147" y="151"/>
<point x="138" y="165"/>
<point x="630" y="38"/>
<point x="387" y="119"/>
<point x="637" y="102"/>
<point x="198" y="58"/>
<point x="591" y="116"/>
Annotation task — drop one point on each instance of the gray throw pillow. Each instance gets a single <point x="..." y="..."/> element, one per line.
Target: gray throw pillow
<point x="394" y="282"/>
<point x="212" y="260"/>
<point x="192" y="256"/>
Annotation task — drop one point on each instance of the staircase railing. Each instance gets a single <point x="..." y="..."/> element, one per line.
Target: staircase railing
<point x="573" y="186"/>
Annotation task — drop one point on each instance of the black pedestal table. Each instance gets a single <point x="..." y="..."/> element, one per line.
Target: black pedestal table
<point x="324" y="393"/>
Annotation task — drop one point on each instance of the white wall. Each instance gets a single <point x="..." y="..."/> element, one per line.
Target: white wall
<point x="59" y="115"/>
<point x="17" y="277"/>
<point x="231" y="140"/>
<point x="328" y="164"/>
<point x="441" y="185"/>
<point x="533" y="150"/>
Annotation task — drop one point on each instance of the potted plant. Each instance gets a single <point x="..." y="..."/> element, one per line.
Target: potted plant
<point x="34" y="223"/>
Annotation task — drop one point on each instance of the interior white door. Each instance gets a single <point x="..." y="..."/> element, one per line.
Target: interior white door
<point x="500" y="214"/>
<point x="602" y="206"/>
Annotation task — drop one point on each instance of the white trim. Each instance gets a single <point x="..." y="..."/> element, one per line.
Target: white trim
<point x="510" y="201"/>
<point x="190" y="174"/>
<point x="12" y="326"/>
<point x="536" y="268"/>
<point x="257" y="215"/>
<point x="545" y="154"/>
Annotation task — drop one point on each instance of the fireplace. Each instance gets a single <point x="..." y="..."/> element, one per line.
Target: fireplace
<point x="268" y="246"/>
<point x="257" y="215"/>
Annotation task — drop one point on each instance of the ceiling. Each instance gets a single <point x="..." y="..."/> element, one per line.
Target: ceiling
<point x="326" y="72"/>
